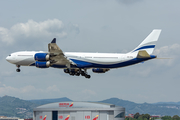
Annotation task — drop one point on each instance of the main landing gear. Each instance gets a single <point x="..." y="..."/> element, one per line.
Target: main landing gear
<point x="84" y="73"/>
<point x="18" y="68"/>
<point x="77" y="72"/>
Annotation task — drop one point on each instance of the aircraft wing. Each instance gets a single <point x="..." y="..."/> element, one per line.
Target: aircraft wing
<point x="57" y="56"/>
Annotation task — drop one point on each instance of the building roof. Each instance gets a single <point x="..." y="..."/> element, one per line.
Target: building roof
<point x="77" y="106"/>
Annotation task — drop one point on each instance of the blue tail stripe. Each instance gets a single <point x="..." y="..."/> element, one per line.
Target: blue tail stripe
<point x="145" y="47"/>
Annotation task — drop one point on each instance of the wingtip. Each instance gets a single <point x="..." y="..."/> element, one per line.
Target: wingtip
<point x="54" y="40"/>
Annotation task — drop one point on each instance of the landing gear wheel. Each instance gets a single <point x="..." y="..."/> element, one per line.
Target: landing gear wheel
<point x="71" y="73"/>
<point x="66" y="70"/>
<point x="18" y="70"/>
<point x="77" y="73"/>
<point x="87" y="76"/>
<point x="83" y="73"/>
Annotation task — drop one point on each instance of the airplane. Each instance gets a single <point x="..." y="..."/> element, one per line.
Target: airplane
<point x="77" y="63"/>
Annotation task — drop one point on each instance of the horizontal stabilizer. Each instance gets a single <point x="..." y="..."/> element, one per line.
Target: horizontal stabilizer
<point x="143" y="54"/>
<point x="163" y="58"/>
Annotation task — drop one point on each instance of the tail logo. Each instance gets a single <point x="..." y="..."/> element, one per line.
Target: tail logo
<point x="44" y="117"/>
<point x="96" y="117"/>
<point x="71" y="104"/>
<point x="67" y="118"/>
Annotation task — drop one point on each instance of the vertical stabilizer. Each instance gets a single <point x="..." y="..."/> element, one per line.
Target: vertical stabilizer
<point x="149" y="42"/>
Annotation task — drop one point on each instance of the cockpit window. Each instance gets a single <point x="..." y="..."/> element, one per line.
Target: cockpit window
<point x="9" y="55"/>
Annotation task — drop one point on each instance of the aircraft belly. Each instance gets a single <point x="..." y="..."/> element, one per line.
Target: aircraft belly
<point x="58" y="66"/>
<point x="108" y="64"/>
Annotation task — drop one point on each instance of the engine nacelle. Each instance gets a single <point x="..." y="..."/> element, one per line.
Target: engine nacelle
<point x="41" y="57"/>
<point x="42" y="64"/>
<point x="100" y="70"/>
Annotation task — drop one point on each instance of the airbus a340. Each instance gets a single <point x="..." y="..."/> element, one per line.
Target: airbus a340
<point x="77" y="63"/>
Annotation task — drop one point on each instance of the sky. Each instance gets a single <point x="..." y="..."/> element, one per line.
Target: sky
<point x="107" y="26"/>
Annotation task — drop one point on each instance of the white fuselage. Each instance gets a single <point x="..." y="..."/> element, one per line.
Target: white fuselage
<point x="26" y="58"/>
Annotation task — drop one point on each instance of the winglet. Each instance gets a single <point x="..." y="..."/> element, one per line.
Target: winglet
<point x="54" y="40"/>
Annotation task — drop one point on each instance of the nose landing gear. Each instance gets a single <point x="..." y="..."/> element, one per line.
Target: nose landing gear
<point x="18" y="68"/>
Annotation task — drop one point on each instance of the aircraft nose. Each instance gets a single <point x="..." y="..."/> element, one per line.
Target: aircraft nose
<point x="10" y="59"/>
<point x="7" y="58"/>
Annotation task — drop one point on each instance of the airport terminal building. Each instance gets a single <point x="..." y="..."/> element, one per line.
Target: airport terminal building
<point x="78" y="111"/>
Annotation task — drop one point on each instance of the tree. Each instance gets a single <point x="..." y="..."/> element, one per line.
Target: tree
<point x="127" y="118"/>
<point x="166" y="118"/>
<point x="136" y="115"/>
<point x="147" y="116"/>
<point x="143" y="116"/>
<point x="140" y="117"/>
<point x="176" y="117"/>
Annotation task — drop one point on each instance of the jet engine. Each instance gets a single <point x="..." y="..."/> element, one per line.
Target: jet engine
<point x="42" y="64"/>
<point x="100" y="70"/>
<point x="41" y="57"/>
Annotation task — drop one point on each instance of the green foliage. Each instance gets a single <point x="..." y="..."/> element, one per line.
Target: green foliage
<point x="129" y="118"/>
<point x="136" y="115"/>
<point x="12" y="107"/>
<point x="175" y="117"/>
<point x="166" y="118"/>
<point x="9" y="106"/>
<point x="147" y="116"/>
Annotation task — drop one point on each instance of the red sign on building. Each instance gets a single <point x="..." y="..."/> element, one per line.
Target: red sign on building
<point x="87" y="117"/>
<point x="61" y="117"/>
<point x="71" y="104"/>
<point x="63" y="104"/>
